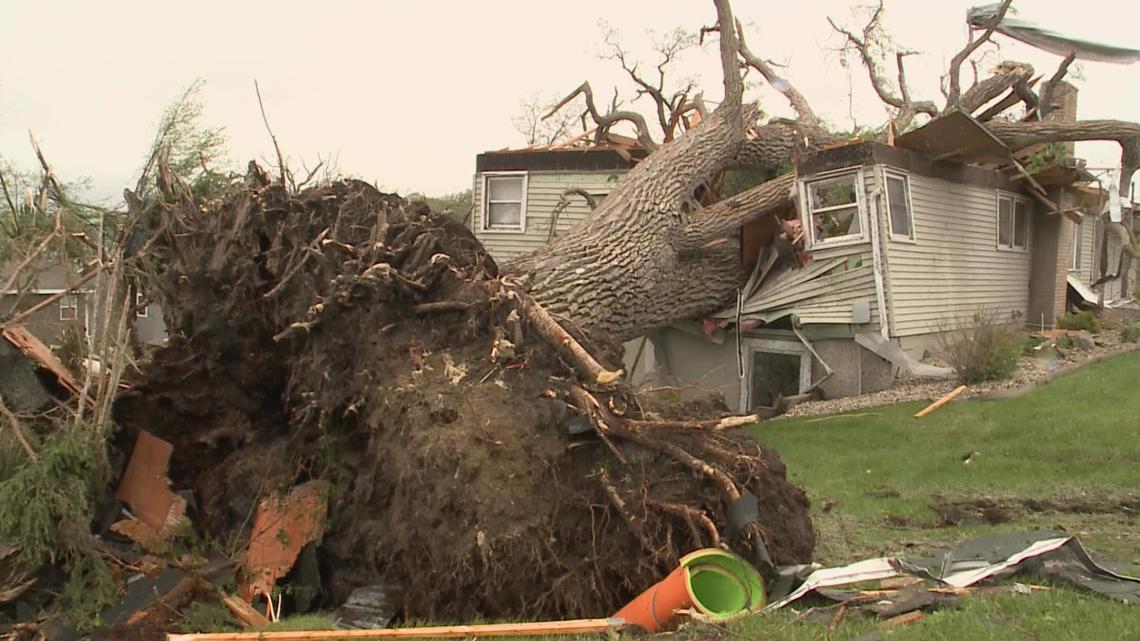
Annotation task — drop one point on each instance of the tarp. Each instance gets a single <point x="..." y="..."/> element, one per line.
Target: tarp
<point x="1047" y="40"/>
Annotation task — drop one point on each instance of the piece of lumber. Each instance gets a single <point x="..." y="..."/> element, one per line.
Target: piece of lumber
<point x="942" y="401"/>
<point x="244" y="612"/>
<point x="541" y="628"/>
<point x="903" y="619"/>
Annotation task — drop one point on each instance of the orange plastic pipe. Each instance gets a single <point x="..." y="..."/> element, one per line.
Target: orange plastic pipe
<point x="654" y="609"/>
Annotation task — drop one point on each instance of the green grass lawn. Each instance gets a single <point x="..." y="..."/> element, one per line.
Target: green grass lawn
<point x="873" y="476"/>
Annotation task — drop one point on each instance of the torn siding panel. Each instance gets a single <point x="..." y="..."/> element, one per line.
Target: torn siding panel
<point x="543" y="192"/>
<point x="954" y="266"/>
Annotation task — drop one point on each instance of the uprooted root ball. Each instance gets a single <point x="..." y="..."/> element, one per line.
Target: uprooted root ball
<point x="345" y="334"/>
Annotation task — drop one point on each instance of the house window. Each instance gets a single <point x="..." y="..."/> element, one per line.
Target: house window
<point x="776" y="369"/>
<point x="1013" y="222"/>
<point x="504" y="202"/>
<point x="142" y="309"/>
<point x="834" y="207"/>
<point x="1078" y="241"/>
<point x="899" y="207"/>
<point x="68" y="307"/>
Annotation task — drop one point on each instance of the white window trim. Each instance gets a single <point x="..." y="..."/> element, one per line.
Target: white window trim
<point x="483" y="201"/>
<point x="139" y="300"/>
<point x="753" y="345"/>
<point x="1014" y="198"/>
<point x="74" y="307"/>
<point x="1077" y="246"/>
<point x="860" y="202"/>
<point x="913" y="238"/>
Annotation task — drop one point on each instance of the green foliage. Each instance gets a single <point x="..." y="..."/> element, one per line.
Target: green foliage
<point x="206" y="617"/>
<point x="456" y="205"/>
<point x="45" y="510"/>
<point x="1081" y="320"/>
<point x="986" y="351"/>
<point x="192" y="150"/>
<point x="1130" y="333"/>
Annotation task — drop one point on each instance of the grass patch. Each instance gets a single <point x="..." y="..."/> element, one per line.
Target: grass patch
<point x="873" y="476"/>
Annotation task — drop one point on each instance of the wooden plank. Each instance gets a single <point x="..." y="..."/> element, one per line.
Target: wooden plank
<point x="33" y="348"/>
<point x="949" y="396"/>
<point x="542" y="628"/>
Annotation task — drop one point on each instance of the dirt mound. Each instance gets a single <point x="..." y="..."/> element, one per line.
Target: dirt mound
<point x="346" y="335"/>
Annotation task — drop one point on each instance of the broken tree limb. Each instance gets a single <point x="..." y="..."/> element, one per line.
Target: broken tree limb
<point x="570" y="348"/>
<point x="14" y="423"/>
<point x="533" y="629"/>
<point x="715" y="425"/>
<point x="608" y="120"/>
<point x="949" y="396"/>
<point x="954" y="80"/>
<point x="727" y="216"/>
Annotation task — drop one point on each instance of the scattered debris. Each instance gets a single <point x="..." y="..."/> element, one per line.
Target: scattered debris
<point x="33" y="348"/>
<point x="369" y="607"/>
<point x="954" y="393"/>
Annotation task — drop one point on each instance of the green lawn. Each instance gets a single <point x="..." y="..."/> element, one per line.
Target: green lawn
<point x="873" y="476"/>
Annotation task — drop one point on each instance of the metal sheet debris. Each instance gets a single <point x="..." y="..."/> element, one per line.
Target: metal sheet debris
<point x="1048" y="40"/>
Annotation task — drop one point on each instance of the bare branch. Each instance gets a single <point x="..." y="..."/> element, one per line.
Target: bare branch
<point x="280" y="159"/>
<point x="607" y="121"/>
<point x="954" y="93"/>
<point x="1050" y="88"/>
<point x="803" y="109"/>
<point x="11" y="206"/>
<point x="14" y="423"/>
<point x="1009" y="74"/>
<point x="872" y="35"/>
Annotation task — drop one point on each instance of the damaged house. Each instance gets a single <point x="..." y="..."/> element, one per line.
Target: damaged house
<point x="887" y="248"/>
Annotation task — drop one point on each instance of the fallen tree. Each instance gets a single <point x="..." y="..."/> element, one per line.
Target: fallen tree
<point x="483" y="456"/>
<point x="656" y="250"/>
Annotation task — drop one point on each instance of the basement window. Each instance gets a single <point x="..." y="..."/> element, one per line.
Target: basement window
<point x="834" y="207"/>
<point x="69" y="307"/>
<point x="504" y="201"/>
<point x="775" y="369"/>
<point x="899" y="207"/>
<point x="1013" y="222"/>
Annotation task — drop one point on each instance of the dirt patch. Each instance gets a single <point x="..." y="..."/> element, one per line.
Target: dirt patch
<point x="992" y="511"/>
<point x="342" y="334"/>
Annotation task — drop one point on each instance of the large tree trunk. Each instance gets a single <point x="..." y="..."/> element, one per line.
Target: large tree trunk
<point x="649" y="255"/>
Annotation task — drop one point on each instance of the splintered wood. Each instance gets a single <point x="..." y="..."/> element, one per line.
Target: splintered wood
<point x="282" y="527"/>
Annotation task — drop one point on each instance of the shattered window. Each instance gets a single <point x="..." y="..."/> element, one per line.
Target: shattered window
<point x="898" y="204"/>
<point x="504" y="202"/>
<point x="834" y="205"/>
<point x="1013" y="223"/>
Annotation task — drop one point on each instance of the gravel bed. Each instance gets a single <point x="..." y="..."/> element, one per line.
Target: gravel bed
<point x="1031" y="371"/>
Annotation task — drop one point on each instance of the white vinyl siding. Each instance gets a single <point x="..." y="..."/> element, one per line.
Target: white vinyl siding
<point x="543" y="189"/>
<point x="955" y="267"/>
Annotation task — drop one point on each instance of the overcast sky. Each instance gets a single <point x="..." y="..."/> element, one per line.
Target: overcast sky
<point x="407" y="93"/>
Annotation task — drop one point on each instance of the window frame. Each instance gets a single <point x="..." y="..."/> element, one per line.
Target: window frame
<point x="1014" y="200"/>
<point x="141" y="311"/>
<point x="807" y="214"/>
<point x="905" y="177"/>
<point x="772" y="346"/>
<point x="485" y="202"/>
<point x="74" y="307"/>
<point x="1076" y="252"/>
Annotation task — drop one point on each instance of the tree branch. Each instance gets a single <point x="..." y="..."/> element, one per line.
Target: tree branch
<point x="799" y="104"/>
<point x="280" y="159"/>
<point x="1046" y="104"/>
<point x="605" y="122"/>
<point x="953" y="95"/>
<point x="724" y="218"/>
